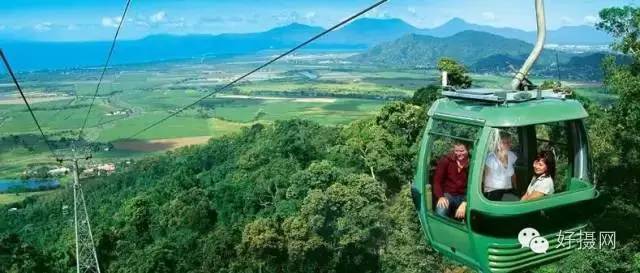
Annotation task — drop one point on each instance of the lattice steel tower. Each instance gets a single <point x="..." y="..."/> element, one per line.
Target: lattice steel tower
<point x="86" y="256"/>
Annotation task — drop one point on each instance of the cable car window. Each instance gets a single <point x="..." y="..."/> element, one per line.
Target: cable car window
<point x="458" y="131"/>
<point x="504" y="158"/>
<point x="535" y="161"/>
<point x="554" y="137"/>
<point x="450" y="148"/>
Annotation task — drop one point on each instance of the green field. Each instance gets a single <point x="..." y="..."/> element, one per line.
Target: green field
<point x="10" y="198"/>
<point x="330" y="94"/>
<point x="149" y="93"/>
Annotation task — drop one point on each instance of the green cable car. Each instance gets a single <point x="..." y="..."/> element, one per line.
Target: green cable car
<point x="487" y="239"/>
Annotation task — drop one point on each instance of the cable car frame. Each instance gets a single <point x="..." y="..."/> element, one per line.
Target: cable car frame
<point x="487" y="240"/>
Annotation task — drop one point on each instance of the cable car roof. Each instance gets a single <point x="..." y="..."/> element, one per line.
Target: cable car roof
<point x="509" y="113"/>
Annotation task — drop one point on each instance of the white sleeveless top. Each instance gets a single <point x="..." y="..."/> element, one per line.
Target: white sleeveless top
<point x="499" y="177"/>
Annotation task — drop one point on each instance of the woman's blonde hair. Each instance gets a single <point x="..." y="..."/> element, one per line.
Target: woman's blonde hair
<point x="500" y="153"/>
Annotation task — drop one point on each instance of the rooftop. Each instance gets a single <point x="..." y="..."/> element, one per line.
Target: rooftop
<point x="510" y="113"/>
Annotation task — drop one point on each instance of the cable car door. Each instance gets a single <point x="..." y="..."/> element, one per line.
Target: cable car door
<point x="447" y="234"/>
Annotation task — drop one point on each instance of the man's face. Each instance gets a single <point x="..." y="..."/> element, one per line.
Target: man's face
<point x="460" y="151"/>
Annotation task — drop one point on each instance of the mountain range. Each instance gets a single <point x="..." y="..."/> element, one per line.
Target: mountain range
<point x="483" y="52"/>
<point x="362" y="34"/>
<point x="468" y="47"/>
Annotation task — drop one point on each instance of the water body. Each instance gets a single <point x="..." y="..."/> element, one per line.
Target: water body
<point x="28" y="185"/>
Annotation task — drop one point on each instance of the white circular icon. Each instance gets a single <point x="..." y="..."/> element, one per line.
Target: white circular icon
<point x="525" y="236"/>
<point x="539" y="245"/>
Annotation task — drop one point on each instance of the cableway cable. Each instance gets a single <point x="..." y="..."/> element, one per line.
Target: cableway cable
<point x="104" y="69"/>
<point x="15" y="81"/>
<point x="343" y="22"/>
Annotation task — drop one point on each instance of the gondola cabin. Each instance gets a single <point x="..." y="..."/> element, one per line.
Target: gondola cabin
<point x="487" y="239"/>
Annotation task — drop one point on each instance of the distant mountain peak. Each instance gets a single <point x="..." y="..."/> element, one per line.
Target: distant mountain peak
<point x="369" y="19"/>
<point x="456" y="21"/>
<point x="377" y="23"/>
<point x="294" y="27"/>
<point x="477" y="33"/>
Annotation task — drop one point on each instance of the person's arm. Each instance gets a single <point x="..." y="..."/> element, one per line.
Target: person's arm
<point x="438" y="183"/>
<point x="462" y="209"/>
<point x="539" y="190"/>
<point x="439" y="176"/>
<point x="514" y="179"/>
<point x="532" y="196"/>
<point x="486" y="174"/>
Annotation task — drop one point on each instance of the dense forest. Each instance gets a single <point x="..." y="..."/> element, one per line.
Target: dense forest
<point x="296" y="196"/>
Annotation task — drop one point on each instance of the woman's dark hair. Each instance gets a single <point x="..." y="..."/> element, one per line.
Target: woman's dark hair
<point x="550" y="160"/>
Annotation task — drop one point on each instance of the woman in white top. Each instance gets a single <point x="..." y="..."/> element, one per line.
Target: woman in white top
<point x="544" y="167"/>
<point x="499" y="174"/>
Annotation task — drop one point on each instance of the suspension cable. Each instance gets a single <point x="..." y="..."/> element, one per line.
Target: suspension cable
<point x="104" y="69"/>
<point x="15" y="81"/>
<point x="343" y="22"/>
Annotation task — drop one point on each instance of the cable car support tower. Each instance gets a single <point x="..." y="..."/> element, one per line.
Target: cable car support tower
<point x="86" y="256"/>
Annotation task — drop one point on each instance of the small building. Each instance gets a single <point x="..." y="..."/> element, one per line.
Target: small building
<point x="109" y="167"/>
<point x="119" y="112"/>
<point x="58" y="171"/>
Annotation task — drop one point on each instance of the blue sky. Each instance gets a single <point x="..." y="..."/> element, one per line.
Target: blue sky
<point x="75" y="20"/>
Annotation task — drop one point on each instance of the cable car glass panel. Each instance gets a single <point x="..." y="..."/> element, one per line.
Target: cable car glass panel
<point x="451" y="236"/>
<point x="566" y="140"/>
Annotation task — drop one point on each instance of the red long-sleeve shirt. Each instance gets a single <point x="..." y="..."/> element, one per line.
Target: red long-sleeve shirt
<point x="448" y="179"/>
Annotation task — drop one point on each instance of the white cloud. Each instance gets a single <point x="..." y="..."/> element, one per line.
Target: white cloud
<point x="158" y="17"/>
<point x="285" y="18"/>
<point x="310" y="15"/>
<point x="489" y="16"/>
<point x="378" y="13"/>
<point x="42" y="27"/>
<point x="412" y="10"/>
<point x="179" y="23"/>
<point x="381" y="15"/>
<point x="566" y="20"/>
<point x="591" y="20"/>
<point x="111" y="21"/>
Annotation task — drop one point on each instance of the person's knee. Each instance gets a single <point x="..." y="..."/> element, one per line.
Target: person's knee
<point x="442" y="211"/>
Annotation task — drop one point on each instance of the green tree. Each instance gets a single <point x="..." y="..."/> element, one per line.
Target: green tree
<point x="426" y="96"/>
<point x="319" y="175"/>
<point x="343" y="221"/>
<point x="18" y="256"/>
<point x="457" y="73"/>
<point x="624" y="80"/>
<point x="624" y="24"/>
<point x="264" y="246"/>
<point x="138" y="217"/>
<point x="405" y="249"/>
<point x="373" y="149"/>
<point x="190" y="209"/>
<point x="615" y="140"/>
<point x="403" y="120"/>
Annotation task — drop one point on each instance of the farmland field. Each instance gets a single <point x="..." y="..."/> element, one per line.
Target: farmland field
<point x="316" y="87"/>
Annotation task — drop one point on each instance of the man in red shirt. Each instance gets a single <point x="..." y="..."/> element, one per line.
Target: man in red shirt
<point x="450" y="182"/>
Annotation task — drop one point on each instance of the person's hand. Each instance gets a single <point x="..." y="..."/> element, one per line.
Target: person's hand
<point x="443" y="203"/>
<point x="461" y="210"/>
